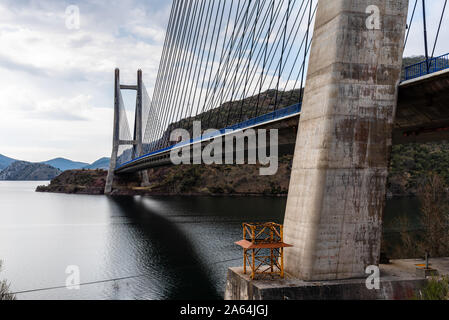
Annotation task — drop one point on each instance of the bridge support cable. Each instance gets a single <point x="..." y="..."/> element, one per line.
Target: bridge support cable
<point x="177" y="12"/>
<point x="264" y="58"/>
<point x="426" y="49"/>
<point x="167" y="106"/>
<point x="409" y="26"/>
<point x="253" y="40"/>
<point x="211" y="87"/>
<point x="191" y="100"/>
<point x="185" y="54"/>
<point x="174" y="68"/>
<point x="229" y="72"/>
<point x="212" y="83"/>
<point x="172" y="64"/>
<point x="226" y="94"/>
<point x="303" y="64"/>
<point x="272" y="56"/>
<point x="208" y="66"/>
<point x="257" y="60"/>
<point x="439" y="29"/>
<point x="224" y="63"/>
<point x="177" y="92"/>
<point x="282" y="56"/>
<point x="239" y="58"/>
<point x="233" y="40"/>
<point x="431" y="63"/>
<point x="305" y="52"/>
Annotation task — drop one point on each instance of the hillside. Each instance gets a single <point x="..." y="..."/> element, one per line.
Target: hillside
<point x="230" y="113"/>
<point x="102" y="163"/>
<point x="77" y="181"/>
<point x="411" y="163"/>
<point x="180" y="180"/>
<point x="5" y="161"/>
<point x="26" y="171"/>
<point x="408" y="61"/>
<point x="65" y="164"/>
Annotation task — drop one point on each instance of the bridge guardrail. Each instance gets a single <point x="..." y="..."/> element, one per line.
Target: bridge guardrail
<point x="420" y="69"/>
<point x="278" y="114"/>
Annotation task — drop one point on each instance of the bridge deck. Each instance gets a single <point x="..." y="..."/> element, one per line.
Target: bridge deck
<point x="422" y="114"/>
<point x="423" y="109"/>
<point x="154" y="158"/>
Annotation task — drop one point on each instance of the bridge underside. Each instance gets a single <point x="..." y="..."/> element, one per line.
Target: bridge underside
<point x="422" y="116"/>
<point x="287" y="131"/>
<point x="423" y="109"/>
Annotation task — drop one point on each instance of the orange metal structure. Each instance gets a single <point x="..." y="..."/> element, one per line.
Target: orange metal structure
<point x="263" y="249"/>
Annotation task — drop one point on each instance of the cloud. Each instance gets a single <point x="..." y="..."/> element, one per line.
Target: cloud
<point x="415" y="43"/>
<point x="56" y="84"/>
<point x="9" y="63"/>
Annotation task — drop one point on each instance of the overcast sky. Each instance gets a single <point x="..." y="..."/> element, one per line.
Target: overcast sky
<point x="56" y="83"/>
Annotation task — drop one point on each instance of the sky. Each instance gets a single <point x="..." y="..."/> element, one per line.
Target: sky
<point x="56" y="80"/>
<point x="56" y="83"/>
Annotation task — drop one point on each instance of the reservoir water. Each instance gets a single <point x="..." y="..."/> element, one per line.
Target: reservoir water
<point x="126" y="247"/>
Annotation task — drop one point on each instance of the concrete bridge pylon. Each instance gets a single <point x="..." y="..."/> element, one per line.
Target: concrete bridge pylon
<point x="137" y="142"/>
<point x="338" y="184"/>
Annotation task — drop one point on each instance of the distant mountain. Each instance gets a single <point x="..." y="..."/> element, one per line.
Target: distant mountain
<point x="62" y="164"/>
<point x="102" y="163"/>
<point x="5" y="161"/>
<point x="27" y="171"/>
<point x="65" y="164"/>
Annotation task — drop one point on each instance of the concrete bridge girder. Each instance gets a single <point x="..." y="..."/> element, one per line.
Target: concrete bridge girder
<point x="423" y="109"/>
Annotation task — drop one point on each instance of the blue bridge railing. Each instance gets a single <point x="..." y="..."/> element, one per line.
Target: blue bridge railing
<point x="278" y="114"/>
<point x="420" y="69"/>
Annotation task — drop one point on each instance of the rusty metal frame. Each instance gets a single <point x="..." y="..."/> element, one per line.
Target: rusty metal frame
<point x="263" y="249"/>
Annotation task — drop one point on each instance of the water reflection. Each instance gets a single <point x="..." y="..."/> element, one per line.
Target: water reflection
<point x="128" y="247"/>
<point x="167" y="254"/>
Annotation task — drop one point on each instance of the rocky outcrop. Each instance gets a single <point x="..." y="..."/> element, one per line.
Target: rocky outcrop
<point x="180" y="180"/>
<point x="77" y="181"/>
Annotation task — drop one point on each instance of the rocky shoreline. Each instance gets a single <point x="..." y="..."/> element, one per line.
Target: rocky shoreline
<point x="410" y="166"/>
<point x="184" y="180"/>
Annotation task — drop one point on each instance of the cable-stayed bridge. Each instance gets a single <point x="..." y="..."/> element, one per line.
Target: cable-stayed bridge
<point x="229" y="64"/>
<point x="237" y="64"/>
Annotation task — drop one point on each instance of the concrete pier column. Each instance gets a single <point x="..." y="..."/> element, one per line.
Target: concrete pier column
<point x="115" y="136"/>
<point x="138" y="128"/>
<point x="338" y="183"/>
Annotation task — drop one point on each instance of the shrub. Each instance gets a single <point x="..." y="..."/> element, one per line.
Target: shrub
<point x="435" y="215"/>
<point x="436" y="289"/>
<point x="5" y="294"/>
<point x="433" y="234"/>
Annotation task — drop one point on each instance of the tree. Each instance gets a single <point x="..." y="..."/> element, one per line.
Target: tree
<point x="5" y="294"/>
<point x="434" y="197"/>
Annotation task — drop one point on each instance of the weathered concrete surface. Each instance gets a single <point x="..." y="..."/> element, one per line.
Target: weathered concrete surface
<point x="115" y="135"/>
<point x="337" y="190"/>
<point x="398" y="281"/>
<point x="423" y="109"/>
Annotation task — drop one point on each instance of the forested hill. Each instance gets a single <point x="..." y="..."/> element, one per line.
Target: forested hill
<point x="27" y="171"/>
